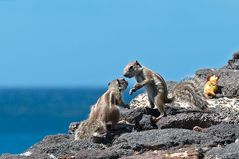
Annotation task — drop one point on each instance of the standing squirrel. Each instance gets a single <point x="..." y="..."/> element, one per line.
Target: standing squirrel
<point x="188" y="91"/>
<point x="211" y="87"/>
<point x="154" y="83"/>
<point x="105" y="110"/>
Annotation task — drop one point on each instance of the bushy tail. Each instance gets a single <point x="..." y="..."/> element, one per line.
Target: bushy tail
<point x="189" y="91"/>
<point x="88" y="129"/>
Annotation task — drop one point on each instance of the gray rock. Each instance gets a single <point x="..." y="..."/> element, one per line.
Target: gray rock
<point x="146" y="123"/>
<point x="61" y="145"/>
<point x="228" y="132"/>
<point x="234" y="62"/>
<point x="167" y="138"/>
<point x="187" y="121"/>
<point x="184" y="153"/>
<point x="115" y="151"/>
<point x="141" y="117"/>
<point x="133" y="115"/>
<point x="231" y="151"/>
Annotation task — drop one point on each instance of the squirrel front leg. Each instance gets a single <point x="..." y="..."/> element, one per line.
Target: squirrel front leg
<point x="121" y="103"/>
<point x="137" y="86"/>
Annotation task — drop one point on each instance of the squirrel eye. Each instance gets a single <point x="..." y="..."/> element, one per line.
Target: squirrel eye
<point x="131" y="67"/>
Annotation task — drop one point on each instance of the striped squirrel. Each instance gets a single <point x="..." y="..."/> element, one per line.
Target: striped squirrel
<point x="154" y="83"/>
<point x="105" y="110"/>
<point x="186" y="91"/>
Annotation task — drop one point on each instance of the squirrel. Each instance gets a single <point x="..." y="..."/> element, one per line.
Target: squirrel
<point x="105" y="110"/>
<point x="156" y="88"/>
<point x="190" y="91"/>
<point x="154" y="83"/>
<point x="210" y="88"/>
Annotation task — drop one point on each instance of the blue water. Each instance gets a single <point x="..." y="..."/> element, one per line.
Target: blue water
<point x="27" y="115"/>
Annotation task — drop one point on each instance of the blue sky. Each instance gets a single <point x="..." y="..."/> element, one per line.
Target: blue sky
<point x="88" y="42"/>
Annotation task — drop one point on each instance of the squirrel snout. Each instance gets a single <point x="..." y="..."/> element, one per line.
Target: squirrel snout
<point x="126" y="75"/>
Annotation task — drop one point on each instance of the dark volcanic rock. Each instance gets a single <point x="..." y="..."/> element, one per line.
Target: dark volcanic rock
<point x="231" y="151"/>
<point x="221" y="110"/>
<point x="234" y="62"/>
<point x="141" y="117"/>
<point x="184" y="153"/>
<point x="133" y="115"/>
<point x="115" y="151"/>
<point x="146" y="123"/>
<point x="228" y="132"/>
<point x="187" y="121"/>
<point x="167" y="138"/>
<point x="61" y="145"/>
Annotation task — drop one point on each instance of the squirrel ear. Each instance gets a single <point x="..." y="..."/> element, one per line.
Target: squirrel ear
<point x="137" y="63"/>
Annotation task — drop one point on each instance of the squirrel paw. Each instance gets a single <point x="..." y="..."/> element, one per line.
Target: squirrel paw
<point x="132" y="91"/>
<point x="127" y="106"/>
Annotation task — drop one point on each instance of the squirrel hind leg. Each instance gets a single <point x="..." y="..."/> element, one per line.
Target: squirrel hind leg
<point x="151" y="104"/>
<point x="158" y="101"/>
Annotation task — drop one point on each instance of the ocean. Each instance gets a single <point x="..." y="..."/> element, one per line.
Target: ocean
<point x="27" y="115"/>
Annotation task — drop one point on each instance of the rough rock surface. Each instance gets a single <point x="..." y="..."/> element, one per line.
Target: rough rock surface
<point x="185" y="133"/>
<point x="184" y="153"/>
<point x="230" y="151"/>
<point x="167" y="138"/>
<point x="234" y="62"/>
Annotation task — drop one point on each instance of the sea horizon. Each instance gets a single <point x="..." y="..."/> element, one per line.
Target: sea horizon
<point x="30" y="114"/>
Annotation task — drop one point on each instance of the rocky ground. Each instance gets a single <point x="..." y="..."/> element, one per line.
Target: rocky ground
<point x="186" y="133"/>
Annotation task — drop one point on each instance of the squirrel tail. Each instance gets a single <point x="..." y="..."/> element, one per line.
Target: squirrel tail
<point x="189" y="91"/>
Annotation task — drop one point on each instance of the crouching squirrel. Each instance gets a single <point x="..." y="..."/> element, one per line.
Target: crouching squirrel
<point x="104" y="111"/>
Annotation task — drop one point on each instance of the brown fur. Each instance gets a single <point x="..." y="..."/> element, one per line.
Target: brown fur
<point x="88" y="129"/>
<point x="106" y="109"/>
<point x="190" y="91"/>
<point x="154" y="83"/>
